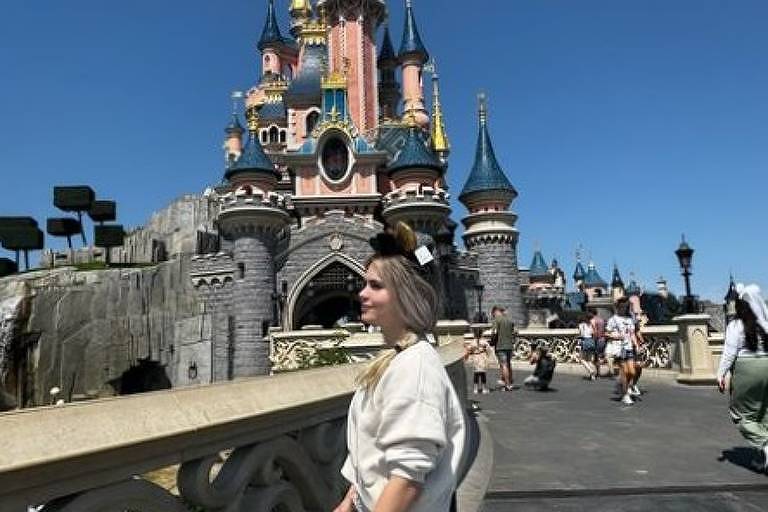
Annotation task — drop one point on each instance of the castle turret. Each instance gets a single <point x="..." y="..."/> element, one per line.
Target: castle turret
<point x="252" y="216"/>
<point x="352" y="52"/>
<point x="594" y="285"/>
<point x="301" y="13"/>
<point x="270" y="43"/>
<point x="440" y="143"/>
<point x="389" y="89"/>
<point x="413" y="55"/>
<point x="233" y="143"/>
<point x="617" y="284"/>
<point x="578" y="275"/>
<point x="490" y="226"/>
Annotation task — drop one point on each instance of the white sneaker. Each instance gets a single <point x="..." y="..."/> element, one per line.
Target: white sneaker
<point x="634" y="391"/>
<point x="486" y="391"/>
<point x="627" y="400"/>
<point x="500" y="382"/>
<point x="474" y="391"/>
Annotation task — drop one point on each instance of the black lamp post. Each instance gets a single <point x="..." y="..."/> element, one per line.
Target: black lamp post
<point x="480" y="316"/>
<point x="729" y="305"/>
<point x="685" y="257"/>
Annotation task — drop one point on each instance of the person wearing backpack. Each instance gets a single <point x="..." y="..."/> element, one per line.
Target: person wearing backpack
<point x="745" y="358"/>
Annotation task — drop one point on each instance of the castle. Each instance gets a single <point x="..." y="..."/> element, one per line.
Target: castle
<point x="334" y="148"/>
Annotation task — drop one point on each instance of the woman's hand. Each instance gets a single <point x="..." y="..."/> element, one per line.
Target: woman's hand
<point x="398" y="495"/>
<point x="722" y="384"/>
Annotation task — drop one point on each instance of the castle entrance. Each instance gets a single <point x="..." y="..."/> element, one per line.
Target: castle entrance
<point x="329" y="298"/>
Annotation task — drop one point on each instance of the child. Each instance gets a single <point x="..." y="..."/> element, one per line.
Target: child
<point x="544" y="371"/>
<point x="478" y="353"/>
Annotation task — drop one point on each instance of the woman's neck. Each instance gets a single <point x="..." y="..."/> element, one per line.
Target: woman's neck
<point x="393" y="335"/>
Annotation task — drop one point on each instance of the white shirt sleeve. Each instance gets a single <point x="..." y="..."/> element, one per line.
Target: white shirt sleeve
<point x="734" y="334"/>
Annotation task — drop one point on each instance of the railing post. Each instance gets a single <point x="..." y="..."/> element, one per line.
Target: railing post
<point x="696" y="362"/>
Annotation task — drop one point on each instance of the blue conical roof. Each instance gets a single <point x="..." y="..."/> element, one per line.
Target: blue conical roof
<point x="593" y="279"/>
<point x="412" y="43"/>
<point x="387" y="53"/>
<point x="634" y="288"/>
<point x="486" y="174"/>
<point x="616" y="281"/>
<point x="579" y="273"/>
<point x="415" y="154"/>
<point x="234" y="126"/>
<point x="538" y="265"/>
<point x="252" y="160"/>
<point x="271" y="33"/>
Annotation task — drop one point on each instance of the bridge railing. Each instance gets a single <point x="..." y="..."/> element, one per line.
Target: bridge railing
<point x="251" y="445"/>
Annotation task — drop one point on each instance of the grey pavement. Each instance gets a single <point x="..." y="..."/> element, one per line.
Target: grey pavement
<point x="577" y="448"/>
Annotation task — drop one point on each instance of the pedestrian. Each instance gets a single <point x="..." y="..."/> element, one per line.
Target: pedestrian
<point x="405" y="427"/>
<point x="588" y="345"/>
<point x="504" y="332"/>
<point x="544" y="370"/>
<point x="745" y="358"/>
<point x="598" y="332"/>
<point x="621" y="332"/>
<point x="478" y="353"/>
<point x="641" y="352"/>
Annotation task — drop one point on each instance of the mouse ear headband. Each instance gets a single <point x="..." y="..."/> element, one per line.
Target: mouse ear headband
<point x="400" y="240"/>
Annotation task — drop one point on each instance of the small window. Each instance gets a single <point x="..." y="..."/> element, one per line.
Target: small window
<point x="264" y="136"/>
<point x="312" y="120"/>
<point x="282" y="136"/>
<point x="241" y="270"/>
<point x="273" y="135"/>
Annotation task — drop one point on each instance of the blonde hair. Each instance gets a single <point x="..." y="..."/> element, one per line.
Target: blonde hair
<point x="415" y="303"/>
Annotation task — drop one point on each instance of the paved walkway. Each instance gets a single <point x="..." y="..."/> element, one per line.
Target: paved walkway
<point x="577" y="448"/>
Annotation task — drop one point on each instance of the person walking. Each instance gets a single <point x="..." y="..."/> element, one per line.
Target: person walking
<point x="745" y="358"/>
<point x="478" y="353"/>
<point x="621" y="332"/>
<point x="598" y="332"/>
<point x="588" y="346"/>
<point x="504" y="331"/>
<point x="405" y="428"/>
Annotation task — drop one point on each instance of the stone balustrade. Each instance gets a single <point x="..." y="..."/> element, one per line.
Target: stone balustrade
<point x="268" y="443"/>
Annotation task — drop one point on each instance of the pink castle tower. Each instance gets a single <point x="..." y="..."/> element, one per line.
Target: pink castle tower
<point x="352" y="51"/>
<point x="413" y="55"/>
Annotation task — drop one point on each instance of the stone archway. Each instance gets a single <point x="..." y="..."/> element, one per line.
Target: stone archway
<point x="326" y="293"/>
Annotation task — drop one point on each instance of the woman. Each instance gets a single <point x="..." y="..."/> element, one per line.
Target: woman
<point x="621" y="331"/>
<point x="745" y="357"/>
<point x="405" y="431"/>
<point x="588" y="346"/>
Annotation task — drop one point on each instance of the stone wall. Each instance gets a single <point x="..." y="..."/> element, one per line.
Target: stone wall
<point x="94" y="326"/>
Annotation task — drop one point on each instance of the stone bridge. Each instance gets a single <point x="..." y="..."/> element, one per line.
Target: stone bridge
<point x="277" y="443"/>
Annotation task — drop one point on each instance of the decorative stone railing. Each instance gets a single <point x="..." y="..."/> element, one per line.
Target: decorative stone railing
<point x="268" y="443"/>
<point x="294" y="350"/>
<point x="565" y="345"/>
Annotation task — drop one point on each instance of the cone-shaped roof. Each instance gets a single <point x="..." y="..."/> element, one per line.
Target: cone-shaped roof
<point x="593" y="279"/>
<point x="732" y="294"/>
<point x="538" y="265"/>
<point x="387" y="53"/>
<point x="486" y="174"/>
<point x="634" y="288"/>
<point x="616" y="281"/>
<point x="415" y="154"/>
<point x="252" y="160"/>
<point x="579" y="273"/>
<point x="234" y="127"/>
<point x="412" y="43"/>
<point x="271" y="34"/>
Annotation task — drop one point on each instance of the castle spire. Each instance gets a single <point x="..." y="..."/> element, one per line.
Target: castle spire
<point x="271" y="35"/>
<point x="253" y="159"/>
<point x="440" y="142"/>
<point x="486" y="174"/>
<point x="412" y="43"/>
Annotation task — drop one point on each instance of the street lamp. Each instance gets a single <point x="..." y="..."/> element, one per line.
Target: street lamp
<point x="729" y="306"/>
<point x="685" y="257"/>
<point x="480" y="317"/>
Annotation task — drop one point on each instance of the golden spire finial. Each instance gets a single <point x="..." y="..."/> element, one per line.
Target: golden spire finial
<point x="440" y="141"/>
<point x="252" y="116"/>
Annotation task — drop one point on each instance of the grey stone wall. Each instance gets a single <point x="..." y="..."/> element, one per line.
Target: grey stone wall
<point x="497" y="264"/>
<point x="94" y="326"/>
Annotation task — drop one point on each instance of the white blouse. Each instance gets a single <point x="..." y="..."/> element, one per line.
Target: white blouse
<point x="411" y="426"/>
<point x="734" y="347"/>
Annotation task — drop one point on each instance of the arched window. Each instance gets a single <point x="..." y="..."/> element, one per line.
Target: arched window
<point x="282" y="136"/>
<point x="264" y="136"/>
<point x="273" y="135"/>
<point x="312" y="120"/>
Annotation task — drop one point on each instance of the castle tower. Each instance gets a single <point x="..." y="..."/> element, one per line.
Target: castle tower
<point x="617" y="284"/>
<point x="352" y="51"/>
<point x="413" y="55"/>
<point x="439" y="136"/>
<point x="389" y="89"/>
<point x="271" y="43"/>
<point x="594" y="285"/>
<point x="490" y="226"/>
<point x="418" y="198"/>
<point x="252" y="216"/>
<point x="233" y="143"/>
<point x="578" y="275"/>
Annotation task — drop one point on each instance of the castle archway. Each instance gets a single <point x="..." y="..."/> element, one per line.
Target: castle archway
<point x="326" y="294"/>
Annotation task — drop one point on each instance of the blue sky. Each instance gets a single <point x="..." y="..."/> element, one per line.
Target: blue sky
<point x="622" y="123"/>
